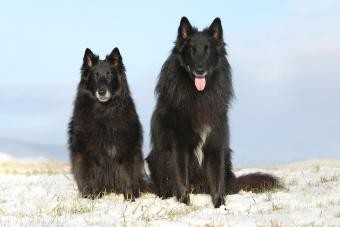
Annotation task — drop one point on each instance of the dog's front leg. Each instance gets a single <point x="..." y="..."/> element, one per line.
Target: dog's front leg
<point x="215" y="172"/>
<point x="181" y="158"/>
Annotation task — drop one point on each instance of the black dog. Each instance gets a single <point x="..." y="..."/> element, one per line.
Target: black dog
<point x="105" y="135"/>
<point x="189" y="127"/>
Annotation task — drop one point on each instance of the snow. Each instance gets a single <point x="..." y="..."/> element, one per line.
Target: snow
<point x="41" y="197"/>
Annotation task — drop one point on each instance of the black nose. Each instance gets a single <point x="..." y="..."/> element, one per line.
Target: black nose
<point x="102" y="91"/>
<point x="200" y="71"/>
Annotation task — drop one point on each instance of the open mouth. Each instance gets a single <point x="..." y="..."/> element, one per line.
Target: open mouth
<point x="200" y="81"/>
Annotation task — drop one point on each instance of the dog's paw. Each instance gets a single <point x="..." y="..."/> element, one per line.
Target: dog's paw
<point x="217" y="200"/>
<point x="184" y="198"/>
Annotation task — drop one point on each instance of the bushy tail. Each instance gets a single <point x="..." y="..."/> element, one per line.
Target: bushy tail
<point x="257" y="182"/>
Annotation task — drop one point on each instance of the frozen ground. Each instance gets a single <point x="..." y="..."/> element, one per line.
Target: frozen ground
<point x="45" y="195"/>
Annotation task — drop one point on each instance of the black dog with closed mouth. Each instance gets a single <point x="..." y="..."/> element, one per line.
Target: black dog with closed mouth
<point x="105" y="135"/>
<point x="189" y="127"/>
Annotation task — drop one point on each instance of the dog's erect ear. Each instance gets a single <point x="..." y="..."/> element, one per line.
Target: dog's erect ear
<point x="115" y="58"/>
<point x="185" y="29"/>
<point x="215" y="29"/>
<point x="89" y="58"/>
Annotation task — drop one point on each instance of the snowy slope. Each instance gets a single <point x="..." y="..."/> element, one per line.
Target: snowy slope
<point x="33" y="198"/>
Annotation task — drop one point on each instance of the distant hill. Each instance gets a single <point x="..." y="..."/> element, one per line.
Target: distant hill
<point x="32" y="151"/>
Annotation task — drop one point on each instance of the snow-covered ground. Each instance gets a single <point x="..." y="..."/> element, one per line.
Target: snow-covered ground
<point x="46" y="195"/>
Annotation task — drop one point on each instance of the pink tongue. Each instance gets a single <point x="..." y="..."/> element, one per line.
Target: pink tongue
<point x="200" y="84"/>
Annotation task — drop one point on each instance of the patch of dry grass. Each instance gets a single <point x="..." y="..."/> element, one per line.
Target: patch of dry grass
<point x="75" y="206"/>
<point x="275" y="223"/>
<point x="329" y="179"/>
<point x="276" y="207"/>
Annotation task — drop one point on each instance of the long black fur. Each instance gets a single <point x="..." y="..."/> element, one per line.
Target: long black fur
<point x="183" y="113"/>
<point x="105" y="138"/>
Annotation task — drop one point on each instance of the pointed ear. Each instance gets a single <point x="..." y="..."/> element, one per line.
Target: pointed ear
<point x="115" y="58"/>
<point x="89" y="58"/>
<point x="185" y="29"/>
<point x="215" y="29"/>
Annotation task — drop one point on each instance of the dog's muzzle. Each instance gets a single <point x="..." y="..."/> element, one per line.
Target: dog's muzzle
<point x="103" y="95"/>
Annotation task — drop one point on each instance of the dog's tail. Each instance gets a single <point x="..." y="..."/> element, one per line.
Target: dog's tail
<point x="257" y="182"/>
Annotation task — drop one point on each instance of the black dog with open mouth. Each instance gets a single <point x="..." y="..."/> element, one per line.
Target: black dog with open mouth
<point x="189" y="127"/>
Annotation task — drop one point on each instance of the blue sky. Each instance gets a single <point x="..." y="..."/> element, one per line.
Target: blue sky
<point x="285" y="58"/>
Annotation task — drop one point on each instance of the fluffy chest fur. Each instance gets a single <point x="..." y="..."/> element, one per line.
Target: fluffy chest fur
<point x="112" y="152"/>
